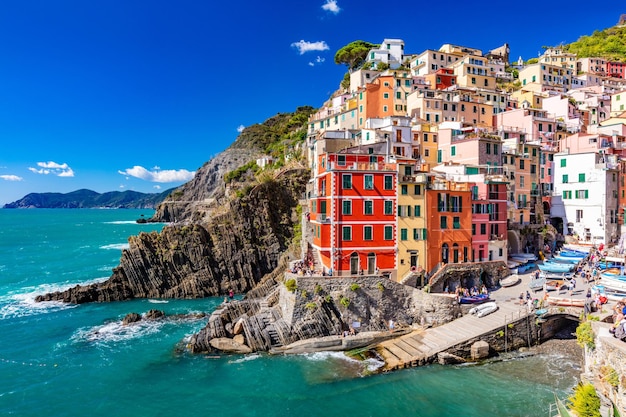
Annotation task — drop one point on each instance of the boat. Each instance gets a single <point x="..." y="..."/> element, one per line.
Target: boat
<point x="607" y="293"/>
<point x="484" y="309"/>
<point x="474" y="299"/>
<point x="614" y="282"/>
<point x="555" y="267"/>
<point x="526" y="256"/>
<point x="536" y="284"/>
<point x="565" y="301"/>
<point x="567" y="259"/>
<point x="510" y="281"/>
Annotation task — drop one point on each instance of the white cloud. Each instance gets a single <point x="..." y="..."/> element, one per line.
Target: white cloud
<point x="157" y="187"/>
<point x="11" y="178"/>
<point x="51" y="167"/>
<point x="168" y="175"/>
<point x="304" y="46"/>
<point x="331" y="6"/>
<point x="318" y="60"/>
<point x="122" y="186"/>
<point x="240" y="128"/>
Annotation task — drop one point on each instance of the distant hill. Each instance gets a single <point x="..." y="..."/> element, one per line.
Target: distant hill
<point x="90" y="199"/>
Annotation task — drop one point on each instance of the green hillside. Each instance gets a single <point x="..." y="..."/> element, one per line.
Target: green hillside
<point x="608" y="43"/>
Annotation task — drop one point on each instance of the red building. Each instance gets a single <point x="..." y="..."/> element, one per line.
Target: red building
<point x="441" y="79"/>
<point x="353" y="211"/>
<point x="616" y="69"/>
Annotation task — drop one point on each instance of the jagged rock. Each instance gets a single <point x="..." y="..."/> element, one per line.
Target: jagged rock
<point x="154" y="314"/>
<point x="235" y="249"/>
<point x="229" y="345"/>
<point x="229" y="329"/>
<point x="238" y="328"/>
<point x="131" y="318"/>
<point x="445" y="358"/>
<point x="239" y="339"/>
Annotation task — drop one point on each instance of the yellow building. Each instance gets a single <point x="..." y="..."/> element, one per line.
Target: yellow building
<point x="411" y="256"/>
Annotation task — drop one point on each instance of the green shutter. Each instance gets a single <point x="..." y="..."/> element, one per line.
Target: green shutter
<point x="418" y="211"/>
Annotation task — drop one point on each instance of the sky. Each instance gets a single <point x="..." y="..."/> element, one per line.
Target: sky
<point x="117" y="95"/>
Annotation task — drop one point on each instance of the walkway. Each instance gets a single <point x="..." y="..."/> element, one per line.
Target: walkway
<point x="422" y="346"/>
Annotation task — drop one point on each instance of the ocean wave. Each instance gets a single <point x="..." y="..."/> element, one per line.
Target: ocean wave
<point x="118" y="246"/>
<point x="158" y="301"/>
<point x="115" y="332"/>
<point x="246" y="358"/>
<point x="368" y="365"/>
<point x="21" y="302"/>
<point x="122" y="222"/>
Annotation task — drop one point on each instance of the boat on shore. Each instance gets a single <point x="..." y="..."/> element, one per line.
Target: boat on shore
<point x="548" y="266"/>
<point x="474" y="299"/>
<point x="510" y="281"/>
<point x="484" y="309"/>
<point x="565" y="301"/>
<point x="615" y="282"/>
<point x="536" y="284"/>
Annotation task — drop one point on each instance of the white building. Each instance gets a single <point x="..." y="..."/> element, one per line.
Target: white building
<point x="391" y="52"/>
<point x="588" y="185"/>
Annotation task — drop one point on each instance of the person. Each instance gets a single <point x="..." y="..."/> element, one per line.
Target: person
<point x="530" y="305"/>
<point x="521" y="298"/>
<point x="572" y="287"/>
<point x="231" y="293"/>
<point x="527" y="295"/>
<point x="391" y="325"/>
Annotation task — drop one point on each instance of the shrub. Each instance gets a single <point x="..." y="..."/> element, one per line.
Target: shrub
<point x="380" y="286"/>
<point x="344" y="301"/>
<point x="328" y="298"/>
<point x="354" y="286"/>
<point x="318" y="289"/>
<point x="311" y="306"/>
<point x="291" y="284"/>
<point x="584" y="335"/>
<point x="303" y="294"/>
<point x="585" y="401"/>
<point x="610" y="375"/>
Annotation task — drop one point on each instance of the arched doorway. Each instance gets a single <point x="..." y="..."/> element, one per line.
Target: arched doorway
<point x="354" y="263"/>
<point x="455" y="253"/>
<point x="371" y="263"/>
<point x="445" y="253"/>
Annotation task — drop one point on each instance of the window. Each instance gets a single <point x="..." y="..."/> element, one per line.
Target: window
<point x="398" y="93"/>
<point x="453" y="151"/>
<point x="418" y="211"/>
<point x="388" y="207"/>
<point x="456" y="222"/>
<point x="404" y="189"/>
<point x="346" y="181"/>
<point x="385" y="108"/>
<point x="346" y="233"/>
<point x="473" y="229"/>
<point x="565" y="178"/>
<point x="368" y="182"/>
<point x="483" y="229"/>
<point x="563" y="162"/>
<point x="581" y="177"/>
<point x="521" y="164"/>
<point x="567" y="195"/>
<point x="346" y="207"/>
<point x="495" y="148"/>
<point x="521" y="181"/>
<point x="368" y="207"/>
<point x="488" y="148"/>
<point x="388" y="182"/>
<point x="403" y="234"/>
<point x="388" y="232"/>
<point x="439" y="152"/>
<point x="443" y="222"/>
<point x="341" y="160"/>
<point x="367" y="233"/>
<point x="582" y="194"/>
<point x="579" y="216"/>
<point x="385" y="95"/>
<point x="417" y="190"/>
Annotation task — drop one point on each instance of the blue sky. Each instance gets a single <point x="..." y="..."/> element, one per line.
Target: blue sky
<point x="117" y="95"/>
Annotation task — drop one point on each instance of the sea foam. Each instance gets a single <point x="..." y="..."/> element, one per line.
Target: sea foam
<point x="118" y="246"/>
<point x="21" y="302"/>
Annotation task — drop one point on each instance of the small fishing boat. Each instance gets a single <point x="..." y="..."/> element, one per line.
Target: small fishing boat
<point x="525" y="256"/>
<point x="536" y="284"/>
<point x="565" y="301"/>
<point x="567" y="259"/>
<point x="548" y="266"/>
<point x="474" y="299"/>
<point x="484" y="309"/>
<point x="614" y="282"/>
<point x="510" y="281"/>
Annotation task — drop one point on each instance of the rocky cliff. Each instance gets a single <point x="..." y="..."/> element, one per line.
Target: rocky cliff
<point x="241" y="242"/>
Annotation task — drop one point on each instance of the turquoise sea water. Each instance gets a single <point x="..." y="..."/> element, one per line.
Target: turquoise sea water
<point x="62" y="360"/>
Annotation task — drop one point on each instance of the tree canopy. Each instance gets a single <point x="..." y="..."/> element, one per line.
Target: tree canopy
<point x="609" y="43"/>
<point x="354" y="54"/>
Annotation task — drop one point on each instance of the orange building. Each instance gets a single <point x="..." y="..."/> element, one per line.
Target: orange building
<point x="353" y="211"/>
<point x="449" y="222"/>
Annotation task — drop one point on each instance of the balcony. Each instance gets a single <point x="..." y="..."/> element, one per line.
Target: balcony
<point x="322" y="218"/>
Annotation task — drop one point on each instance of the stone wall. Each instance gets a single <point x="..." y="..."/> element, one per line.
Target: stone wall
<point x="608" y="355"/>
<point x="467" y="275"/>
